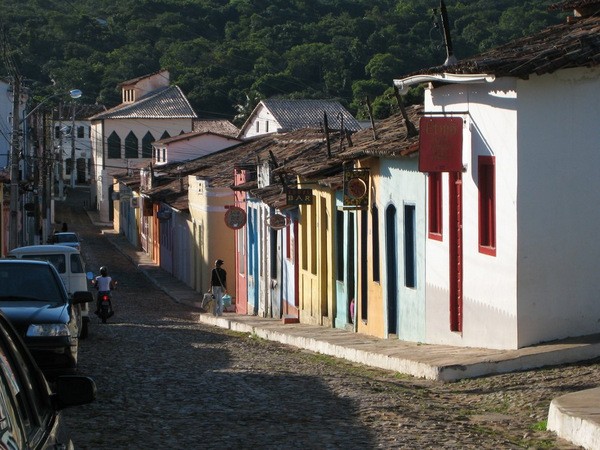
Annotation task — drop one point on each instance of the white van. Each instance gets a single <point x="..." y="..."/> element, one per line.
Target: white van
<point x="70" y="266"/>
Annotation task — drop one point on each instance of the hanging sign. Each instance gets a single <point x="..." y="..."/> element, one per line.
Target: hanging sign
<point x="356" y="188"/>
<point x="278" y="221"/>
<point x="440" y="144"/>
<point x="296" y="197"/>
<point x="235" y="217"/>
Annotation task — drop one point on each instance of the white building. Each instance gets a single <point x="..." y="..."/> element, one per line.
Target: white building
<point x="282" y="115"/>
<point x="187" y="146"/>
<point x="72" y="135"/>
<point x="122" y="137"/>
<point x="512" y="248"/>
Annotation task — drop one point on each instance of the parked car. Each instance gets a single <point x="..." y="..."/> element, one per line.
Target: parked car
<point x="30" y="410"/>
<point x="35" y="300"/>
<point x="70" y="266"/>
<point x="67" y="238"/>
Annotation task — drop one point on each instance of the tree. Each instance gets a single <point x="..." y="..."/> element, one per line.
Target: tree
<point x="383" y="67"/>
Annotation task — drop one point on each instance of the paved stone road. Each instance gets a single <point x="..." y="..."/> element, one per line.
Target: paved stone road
<point x="166" y="381"/>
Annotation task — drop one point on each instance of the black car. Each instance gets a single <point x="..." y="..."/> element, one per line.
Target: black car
<point x="30" y="411"/>
<point x="34" y="298"/>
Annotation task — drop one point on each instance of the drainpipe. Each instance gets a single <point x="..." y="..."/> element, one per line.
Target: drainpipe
<point x="404" y="84"/>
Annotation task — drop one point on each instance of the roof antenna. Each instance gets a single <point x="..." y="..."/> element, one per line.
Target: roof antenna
<point x="450" y="58"/>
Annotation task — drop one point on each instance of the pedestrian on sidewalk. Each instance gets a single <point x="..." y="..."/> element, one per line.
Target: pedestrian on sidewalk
<point x="218" y="287"/>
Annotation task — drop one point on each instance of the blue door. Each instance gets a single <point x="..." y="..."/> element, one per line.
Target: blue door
<point x="253" y="269"/>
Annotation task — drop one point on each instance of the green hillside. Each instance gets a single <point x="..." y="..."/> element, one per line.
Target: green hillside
<point x="225" y="55"/>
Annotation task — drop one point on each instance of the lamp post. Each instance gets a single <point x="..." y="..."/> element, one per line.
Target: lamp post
<point x="15" y="150"/>
<point x="75" y="93"/>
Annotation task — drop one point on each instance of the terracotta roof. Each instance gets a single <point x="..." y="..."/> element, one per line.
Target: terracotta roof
<point x="247" y="186"/>
<point x="563" y="46"/>
<point x="300" y="153"/>
<point x="392" y="137"/>
<point x="173" y="192"/>
<point x="218" y="126"/>
<point x="163" y="103"/>
<point x="193" y="134"/>
<point x="273" y="195"/>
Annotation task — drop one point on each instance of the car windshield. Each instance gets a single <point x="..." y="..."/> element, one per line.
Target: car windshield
<point x="66" y="238"/>
<point x="57" y="260"/>
<point x="29" y="282"/>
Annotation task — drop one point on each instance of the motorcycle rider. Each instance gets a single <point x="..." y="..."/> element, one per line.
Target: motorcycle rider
<point x="104" y="284"/>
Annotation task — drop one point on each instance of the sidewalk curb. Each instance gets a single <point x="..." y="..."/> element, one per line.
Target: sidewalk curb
<point x="574" y="417"/>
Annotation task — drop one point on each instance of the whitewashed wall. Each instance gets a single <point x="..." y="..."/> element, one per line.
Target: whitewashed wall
<point x="543" y="283"/>
<point x="196" y="146"/>
<point x="559" y="198"/>
<point x="489" y="282"/>
<point x="101" y="130"/>
<point x="266" y="123"/>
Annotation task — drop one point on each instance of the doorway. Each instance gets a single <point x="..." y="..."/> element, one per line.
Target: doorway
<point x="391" y="269"/>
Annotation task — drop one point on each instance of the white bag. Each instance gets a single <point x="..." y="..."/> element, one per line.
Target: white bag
<point x="207" y="300"/>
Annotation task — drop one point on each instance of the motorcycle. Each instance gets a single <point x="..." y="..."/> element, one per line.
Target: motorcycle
<point x="104" y="302"/>
<point x="106" y="310"/>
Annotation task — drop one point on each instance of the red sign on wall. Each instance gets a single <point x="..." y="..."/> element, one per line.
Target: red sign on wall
<point x="440" y="144"/>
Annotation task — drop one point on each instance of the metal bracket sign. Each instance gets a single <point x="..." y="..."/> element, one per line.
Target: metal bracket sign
<point x="440" y="144"/>
<point x="235" y="217"/>
<point x="356" y="188"/>
<point x="295" y="197"/>
<point x="278" y="221"/>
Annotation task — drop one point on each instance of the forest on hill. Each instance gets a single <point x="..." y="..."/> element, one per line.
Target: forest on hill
<point x="227" y="55"/>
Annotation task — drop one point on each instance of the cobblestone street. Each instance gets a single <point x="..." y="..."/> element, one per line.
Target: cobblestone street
<point x="166" y="381"/>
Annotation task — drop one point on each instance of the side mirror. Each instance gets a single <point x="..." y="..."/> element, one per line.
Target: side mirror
<point x="74" y="390"/>
<point x="82" y="297"/>
<point x="89" y="276"/>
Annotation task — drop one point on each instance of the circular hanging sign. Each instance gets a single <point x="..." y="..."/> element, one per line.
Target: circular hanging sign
<point x="278" y="221"/>
<point x="357" y="188"/>
<point x="235" y="217"/>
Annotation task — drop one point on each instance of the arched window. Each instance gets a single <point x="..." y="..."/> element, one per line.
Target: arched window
<point x="131" y="145"/>
<point x="114" y="145"/>
<point x="147" y="145"/>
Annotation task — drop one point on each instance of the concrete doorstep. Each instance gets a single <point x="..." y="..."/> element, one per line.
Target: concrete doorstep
<point x="576" y="418"/>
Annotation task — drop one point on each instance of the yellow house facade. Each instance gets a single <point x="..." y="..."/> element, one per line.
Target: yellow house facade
<point x="316" y="266"/>
<point x="213" y="238"/>
<point x="369" y="303"/>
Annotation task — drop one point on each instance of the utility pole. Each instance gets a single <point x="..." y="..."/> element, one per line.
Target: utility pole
<point x="74" y="93"/>
<point x="14" y="166"/>
<point x="73" y="149"/>
<point x="60" y="170"/>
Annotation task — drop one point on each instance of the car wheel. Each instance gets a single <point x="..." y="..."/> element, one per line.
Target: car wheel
<point x="84" y="329"/>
